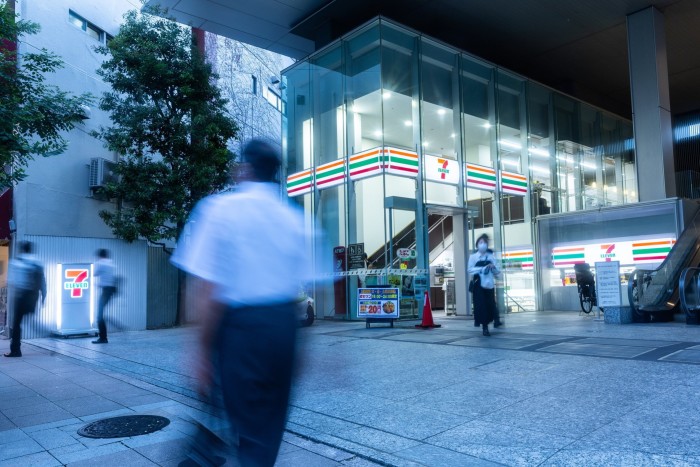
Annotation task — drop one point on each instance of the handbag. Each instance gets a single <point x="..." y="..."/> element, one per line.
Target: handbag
<point x="476" y="280"/>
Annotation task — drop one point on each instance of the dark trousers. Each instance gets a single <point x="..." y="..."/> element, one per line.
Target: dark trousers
<point x="24" y="303"/>
<point x="255" y="352"/>
<point x="106" y="294"/>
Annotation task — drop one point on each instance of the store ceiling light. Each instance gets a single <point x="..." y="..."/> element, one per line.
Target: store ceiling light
<point x="589" y="165"/>
<point x="386" y="94"/>
<point x="539" y="170"/>
<point x="441" y="111"/>
<point x="378" y="133"/>
<point x="539" y="152"/>
<point x="408" y="123"/>
<point x="486" y="125"/>
<point x="509" y="144"/>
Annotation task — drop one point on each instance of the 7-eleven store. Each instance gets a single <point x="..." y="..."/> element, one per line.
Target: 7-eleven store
<point x="405" y="149"/>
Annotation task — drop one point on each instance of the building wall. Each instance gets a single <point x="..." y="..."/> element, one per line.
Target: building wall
<point x="55" y="198"/>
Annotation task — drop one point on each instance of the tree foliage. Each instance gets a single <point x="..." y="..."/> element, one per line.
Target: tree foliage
<point x="33" y="114"/>
<point x="169" y="127"/>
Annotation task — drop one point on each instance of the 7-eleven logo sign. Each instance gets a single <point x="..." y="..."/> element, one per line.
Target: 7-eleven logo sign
<point x="77" y="281"/>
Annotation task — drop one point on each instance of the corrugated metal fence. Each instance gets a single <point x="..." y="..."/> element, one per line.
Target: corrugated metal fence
<point x="131" y="260"/>
<point x="162" y="290"/>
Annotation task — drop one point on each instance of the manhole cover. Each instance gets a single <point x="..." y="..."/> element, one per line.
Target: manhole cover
<point x="124" y="427"/>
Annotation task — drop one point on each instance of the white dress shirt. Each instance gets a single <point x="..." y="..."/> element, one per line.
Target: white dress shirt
<point x="104" y="270"/>
<point x="486" y="276"/>
<point x="250" y="244"/>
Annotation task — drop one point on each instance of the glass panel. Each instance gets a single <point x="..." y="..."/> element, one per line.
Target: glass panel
<point x="94" y="32"/>
<point x="329" y="112"/>
<point x="542" y="164"/>
<point x="297" y="121"/>
<point x="363" y="88"/>
<point x="440" y="122"/>
<point x="76" y="20"/>
<point x="400" y="85"/>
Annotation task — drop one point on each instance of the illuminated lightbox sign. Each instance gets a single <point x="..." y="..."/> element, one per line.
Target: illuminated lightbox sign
<point x="76" y="298"/>
<point x="440" y="169"/>
<point x="628" y="253"/>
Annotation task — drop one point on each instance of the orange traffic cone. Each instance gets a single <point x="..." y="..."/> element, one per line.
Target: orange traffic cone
<point x="427" y="315"/>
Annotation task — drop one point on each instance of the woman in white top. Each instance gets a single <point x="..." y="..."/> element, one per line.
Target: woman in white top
<point x="484" y="265"/>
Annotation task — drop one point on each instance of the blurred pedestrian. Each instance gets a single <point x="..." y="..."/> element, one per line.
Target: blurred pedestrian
<point x="483" y="265"/>
<point x="107" y="281"/>
<point x="247" y="249"/>
<point x="27" y="280"/>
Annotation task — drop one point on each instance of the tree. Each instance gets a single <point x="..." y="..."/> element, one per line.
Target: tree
<point x="169" y="127"/>
<point x="33" y="114"/>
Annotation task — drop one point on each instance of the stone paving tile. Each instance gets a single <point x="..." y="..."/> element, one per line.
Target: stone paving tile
<point x="41" y="418"/>
<point x="433" y="455"/>
<point x="40" y="459"/>
<point x="598" y="350"/>
<point x="341" y="403"/>
<point x="14" y="435"/>
<point x="29" y="409"/>
<point x="30" y="399"/>
<point x="53" y="438"/>
<point x="60" y="424"/>
<point x="6" y="424"/>
<point x="164" y="451"/>
<point x="82" y="406"/>
<point x="380" y="440"/>
<point x="500" y="343"/>
<point x="309" y="459"/>
<point x="137" y="401"/>
<point x="581" y="458"/>
<point x="408" y="420"/>
<point x="683" y="356"/>
<point x="19" y="448"/>
<point x="69" y="454"/>
<point x="130" y="458"/>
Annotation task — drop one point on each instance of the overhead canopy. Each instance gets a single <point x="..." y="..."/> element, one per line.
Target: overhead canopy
<point x="578" y="47"/>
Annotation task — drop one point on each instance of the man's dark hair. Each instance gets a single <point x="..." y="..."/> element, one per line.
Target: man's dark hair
<point x="103" y="253"/>
<point x="483" y="237"/>
<point x="25" y="247"/>
<point x="263" y="159"/>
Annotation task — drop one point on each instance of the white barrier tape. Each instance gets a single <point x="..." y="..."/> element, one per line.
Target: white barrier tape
<point x="379" y="272"/>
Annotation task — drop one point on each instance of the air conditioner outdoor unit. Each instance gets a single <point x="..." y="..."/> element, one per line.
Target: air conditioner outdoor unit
<point x="102" y="171"/>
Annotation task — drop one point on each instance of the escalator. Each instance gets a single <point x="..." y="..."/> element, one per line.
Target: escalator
<point x="654" y="294"/>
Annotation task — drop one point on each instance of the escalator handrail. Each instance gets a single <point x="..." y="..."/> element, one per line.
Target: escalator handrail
<point x="681" y="287"/>
<point x="694" y="223"/>
<point x="631" y="284"/>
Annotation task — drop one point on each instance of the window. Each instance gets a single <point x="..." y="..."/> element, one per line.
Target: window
<point x="273" y="98"/>
<point x="255" y="84"/>
<point x="91" y="30"/>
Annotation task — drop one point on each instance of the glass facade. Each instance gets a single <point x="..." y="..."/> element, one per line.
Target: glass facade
<point x="403" y="147"/>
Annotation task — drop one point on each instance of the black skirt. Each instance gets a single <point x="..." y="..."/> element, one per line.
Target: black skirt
<point x="484" y="305"/>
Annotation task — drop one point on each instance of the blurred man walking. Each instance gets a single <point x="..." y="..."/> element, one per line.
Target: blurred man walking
<point x="248" y="250"/>
<point x="105" y="274"/>
<point x="27" y="280"/>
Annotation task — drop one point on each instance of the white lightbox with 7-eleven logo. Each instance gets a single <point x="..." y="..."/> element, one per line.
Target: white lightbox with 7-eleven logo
<point x="629" y="252"/>
<point x="76" y="296"/>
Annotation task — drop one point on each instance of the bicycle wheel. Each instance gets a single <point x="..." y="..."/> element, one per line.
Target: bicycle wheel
<point x="586" y="303"/>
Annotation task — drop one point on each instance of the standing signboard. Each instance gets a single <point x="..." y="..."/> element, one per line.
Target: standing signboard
<point x="356" y="253"/>
<point x="76" y="304"/>
<point x="378" y="303"/>
<point x="607" y="278"/>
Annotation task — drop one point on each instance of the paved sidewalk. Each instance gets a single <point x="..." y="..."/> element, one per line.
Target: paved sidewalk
<point x="46" y="397"/>
<point x="548" y="389"/>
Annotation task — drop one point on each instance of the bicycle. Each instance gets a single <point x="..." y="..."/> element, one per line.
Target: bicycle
<point x="586" y="297"/>
<point x="586" y="287"/>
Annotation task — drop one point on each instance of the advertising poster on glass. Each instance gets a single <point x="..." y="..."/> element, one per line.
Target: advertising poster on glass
<point x="378" y="303"/>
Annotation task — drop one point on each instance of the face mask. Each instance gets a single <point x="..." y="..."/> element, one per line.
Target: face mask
<point x="481" y="247"/>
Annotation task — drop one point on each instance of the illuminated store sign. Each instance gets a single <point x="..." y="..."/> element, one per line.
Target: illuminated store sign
<point x="652" y="251"/>
<point x="76" y="299"/>
<point x="439" y="169"/>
